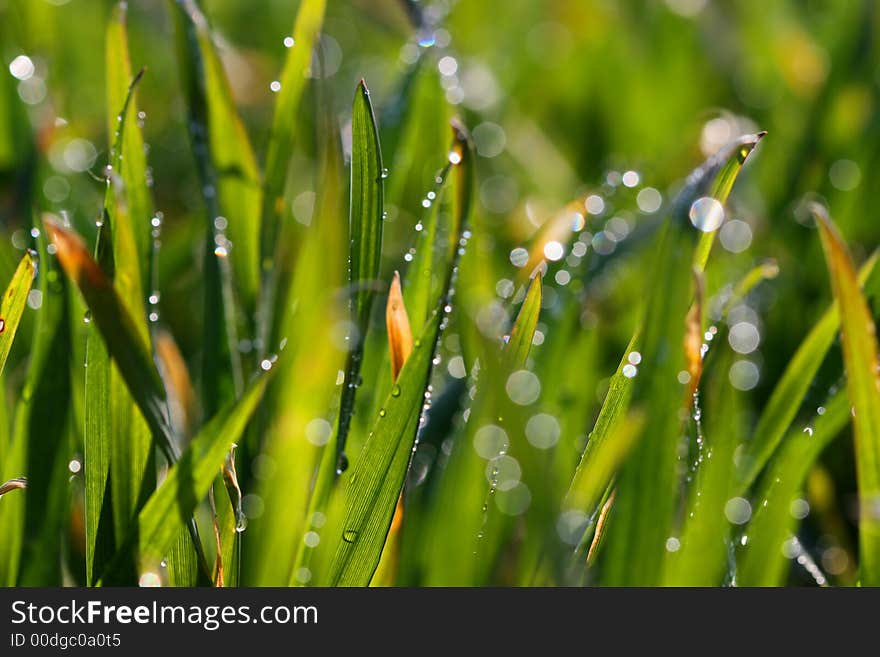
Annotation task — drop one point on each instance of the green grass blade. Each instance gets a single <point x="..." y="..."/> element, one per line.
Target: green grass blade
<point x="701" y="556"/>
<point x="231" y="189"/>
<point x="124" y="340"/>
<point x="33" y="521"/>
<point x="273" y="240"/>
<point x="13" y="303"/>
<point x="167" y="512"/>
<point x="291" y="439"/>
<point x="128" y="155"/>
<point x="365" y="227"/>
<point x="760" y="558"/>
<point x="116" y="434"/>
<point x="646" y="500"/>
<point x="606" y="448"/>
<point x="518" y="346"/>
<point x="379" y="472"/>
<point x="863" y="386"/>
<point x="787" y="396"/>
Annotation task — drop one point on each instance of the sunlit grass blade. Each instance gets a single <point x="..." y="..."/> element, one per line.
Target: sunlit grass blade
<point x="647" y="487"/>
<point x="116" y="434"/>
<point x="13" y="303"/>
<point x="168" y="510"/>
<point x="274" y="246"/>
<point x="789" y="392"/>
<point x="128" y="155"/>
<point x="33" y="520"/>
<point x="519" y="344"/>
<point x="365" y="230"/>
<point x="378" y="475"/>
<point x="231" y="189"/>
<point x="125" y="342"/>
<point x="299" y="432"/>
<point x="379" y="472"/>
<point x="607" y="447"/>
<point x="761" y="549"/>
<point x="699" y="554"/>
<point x="863" y="387"/>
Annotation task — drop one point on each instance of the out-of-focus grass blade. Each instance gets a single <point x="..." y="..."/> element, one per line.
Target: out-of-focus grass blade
<point x="761" y="559"/>
<point x="299" y="433"/>
<point x="787" y="396"/>
<point x="421" y="149"/>
<point x="127" y="141"/>
<point x="647" y="487"/>
<point x="366" y="224"/>
<point x="523" y="332"/>
<point x="167" y="512"/>
<point x="34" y="520"/>
<point x="863" y="386"/>
<point x="231" y="189"/>
<point x="724" y="178"/>
<point x="13" y="303"/>
<point x="273" y="240"/>
<point x="607" y="447"/>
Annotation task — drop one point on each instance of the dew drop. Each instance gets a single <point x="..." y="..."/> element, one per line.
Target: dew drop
<point x="395" y="391"/>
<point x="349" y="536"/>
<point x="2" y="325"/>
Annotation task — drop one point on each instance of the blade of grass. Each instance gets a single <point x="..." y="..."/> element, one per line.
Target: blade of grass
<point x="789" y="392"/>
<point x="760" y="559"/>
<point x="702" y="552"/>
<point x="34" y="520"/>
<point x="128" y="157"/>
<point x="124" y="342"/>
<point x="169" y="509"/>
<point x="229" y="179"/>
<point x="863" y="387"/>
<point x="380" y="471"/>
<point x="13" y="303"/>
<point x="116" y="433"/>
<point x="274" y="241"/>
<point x="298" y="438"/>
<point x="365" y="229"/>
<point x="646" y="490"/>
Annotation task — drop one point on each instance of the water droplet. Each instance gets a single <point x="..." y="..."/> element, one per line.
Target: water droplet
<point x="87" y="317"/>
<point x="349" y="536"/>
<point x="289" y="42"/>
<point x="395" y="391"/>
<point x="381" y="412"/>
<point x="342" y="464"/>
<point x="2" y="325"/>
<point x="241" y="523"/>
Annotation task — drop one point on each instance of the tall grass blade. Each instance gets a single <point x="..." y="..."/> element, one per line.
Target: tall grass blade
<point x="365" y="229"/>
<point x="789" y="392"/>
<point x="274" y="247"/>
<point x="863" y="386"/>
<point x="646" y="490"/>
<point x="230" y="182"/>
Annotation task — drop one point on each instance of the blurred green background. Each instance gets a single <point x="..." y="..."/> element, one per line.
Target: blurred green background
<point x="563" y="99"/>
